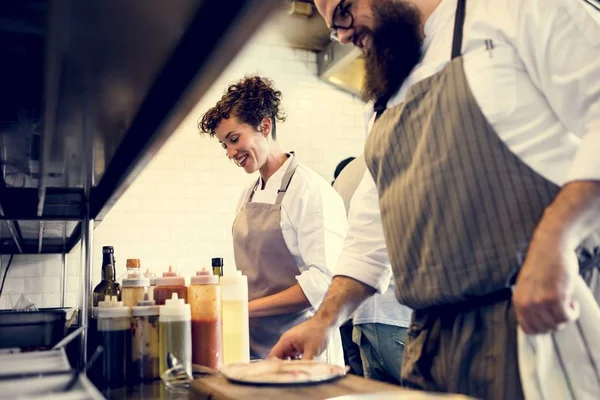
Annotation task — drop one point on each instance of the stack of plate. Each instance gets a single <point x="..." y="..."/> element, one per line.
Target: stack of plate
<point x="42" y="375"/>
<point x="38" y="362"/>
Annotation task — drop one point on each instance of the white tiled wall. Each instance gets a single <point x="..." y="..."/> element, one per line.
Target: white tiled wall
<point x="39" y="276"/>
<point x="180" y="209"/>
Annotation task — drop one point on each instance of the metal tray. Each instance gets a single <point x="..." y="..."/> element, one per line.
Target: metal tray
<point x="34" y="362"/>
<point x="34" y="329"/>
<point x="49" y="388"/>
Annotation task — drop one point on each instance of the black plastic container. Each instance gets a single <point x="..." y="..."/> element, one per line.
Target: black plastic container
<point x="34" y="329"/>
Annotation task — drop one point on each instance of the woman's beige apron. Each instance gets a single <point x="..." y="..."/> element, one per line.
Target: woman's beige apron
<point x="262" y="255"/>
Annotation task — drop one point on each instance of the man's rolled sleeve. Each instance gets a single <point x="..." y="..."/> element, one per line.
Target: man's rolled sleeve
<point x="364" y="254"/>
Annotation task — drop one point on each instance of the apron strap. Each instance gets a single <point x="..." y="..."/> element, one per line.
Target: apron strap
<point x="459" y="23"/>
<point x="380" y="105"/>
<point x="593" y="4"/>
<point x="253" y="190"/>
<point x="287" y="178"/>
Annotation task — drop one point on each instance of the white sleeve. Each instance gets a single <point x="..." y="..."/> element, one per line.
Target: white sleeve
<point x="321" y="229"/>
<point x="559" y="43"/>
<point x="364" y="255"/>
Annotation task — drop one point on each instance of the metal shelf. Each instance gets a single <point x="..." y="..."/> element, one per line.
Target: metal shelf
<point x="91" y="91"/>
<point x="117" y="75"/>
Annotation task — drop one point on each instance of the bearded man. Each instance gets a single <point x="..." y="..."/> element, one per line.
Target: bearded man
<point x="483" y="146"/>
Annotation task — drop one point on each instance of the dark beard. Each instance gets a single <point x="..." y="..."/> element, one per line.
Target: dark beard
<point x="395" y="50"/>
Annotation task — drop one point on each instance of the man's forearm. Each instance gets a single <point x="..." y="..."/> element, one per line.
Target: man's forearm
<point x="344" y="296"/>
<point x="573" y="215"/>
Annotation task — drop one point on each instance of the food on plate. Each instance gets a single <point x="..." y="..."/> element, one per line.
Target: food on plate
<point x="282" y="372"/>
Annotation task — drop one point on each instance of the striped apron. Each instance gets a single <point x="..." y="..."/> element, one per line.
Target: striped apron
<point x="457" y="206"/>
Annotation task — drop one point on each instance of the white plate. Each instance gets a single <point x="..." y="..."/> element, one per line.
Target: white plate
<point x="283" y="372"/>
<point x="408" y="395"/>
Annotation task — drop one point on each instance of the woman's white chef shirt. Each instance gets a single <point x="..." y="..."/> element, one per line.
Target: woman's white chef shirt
<point x="313" y="223"/>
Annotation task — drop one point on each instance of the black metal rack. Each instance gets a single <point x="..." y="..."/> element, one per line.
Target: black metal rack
<point x="120" y="75"/>
<point x="89" y="92"/>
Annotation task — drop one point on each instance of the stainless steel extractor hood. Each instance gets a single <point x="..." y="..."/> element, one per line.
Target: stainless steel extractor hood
<point x="297" y="24"/>
<point x="342" y="66"/>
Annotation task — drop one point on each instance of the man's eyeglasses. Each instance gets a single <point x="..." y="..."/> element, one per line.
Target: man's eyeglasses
<point x="342" y="19"/>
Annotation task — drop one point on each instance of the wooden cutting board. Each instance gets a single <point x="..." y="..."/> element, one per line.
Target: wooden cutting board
<point x="219" y="388"/>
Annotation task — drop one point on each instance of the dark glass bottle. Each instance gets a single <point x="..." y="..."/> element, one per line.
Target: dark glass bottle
<point x="109" y="285"/>
<point x="217" y="266"/>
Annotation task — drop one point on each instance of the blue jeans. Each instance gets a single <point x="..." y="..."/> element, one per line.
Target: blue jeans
<point x="381" y="350"/>
<point x="351" y="349"/>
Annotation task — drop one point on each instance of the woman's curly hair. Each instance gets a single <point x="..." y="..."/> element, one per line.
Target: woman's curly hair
<point x="250" y="100"/>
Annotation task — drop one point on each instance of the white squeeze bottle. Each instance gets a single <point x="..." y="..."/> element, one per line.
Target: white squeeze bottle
<point x="175" y="333"/>
<point x="236" y="331"/>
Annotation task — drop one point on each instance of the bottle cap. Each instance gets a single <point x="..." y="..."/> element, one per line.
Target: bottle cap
<point x="112" y="308"/>
<point x="145" y="307"/>
<point x="170" y="272"/>
<point x="233" y="278"/>
<point x="151" y="276"/>
<point x="108" y="249"/>
<point x="110" y="302"/>
<point x="134" y="280"/>
<point x="204" y="277"/>
<point x="176" y="307"/>
<point x="170" y="278"/>
<point x="133" y="263"/>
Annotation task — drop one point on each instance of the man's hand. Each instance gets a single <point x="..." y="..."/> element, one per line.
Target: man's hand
<point x="544" y="289"/>
<point x="306" y="341"/>
<point x="542" y="296"/>
<point x="310" y="338"/>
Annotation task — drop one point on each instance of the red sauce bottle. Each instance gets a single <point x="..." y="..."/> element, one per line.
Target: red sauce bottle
<point x="168" y="284"/>
<point x="204" y="296"/>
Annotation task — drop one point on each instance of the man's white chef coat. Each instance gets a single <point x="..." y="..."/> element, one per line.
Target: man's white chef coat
<point x="534" y="69"/>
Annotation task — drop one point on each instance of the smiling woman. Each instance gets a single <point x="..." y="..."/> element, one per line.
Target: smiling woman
<point x="291" y="223"/>
<point x="244" y="120"/>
